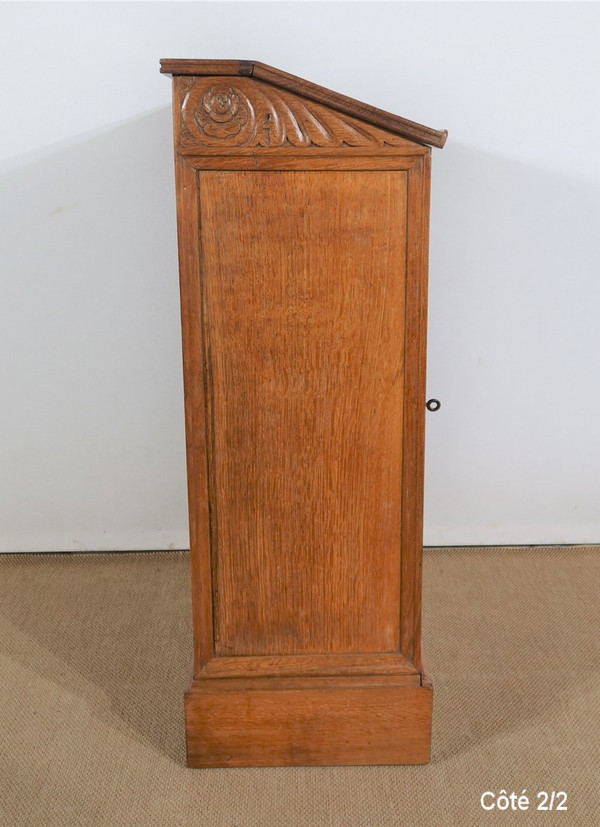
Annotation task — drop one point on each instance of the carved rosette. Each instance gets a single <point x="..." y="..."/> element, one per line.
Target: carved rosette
<point x="245" y="113"/>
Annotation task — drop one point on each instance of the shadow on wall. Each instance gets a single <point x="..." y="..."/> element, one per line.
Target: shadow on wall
<point x="95" y="456"/>
<point x="513" y="342"/>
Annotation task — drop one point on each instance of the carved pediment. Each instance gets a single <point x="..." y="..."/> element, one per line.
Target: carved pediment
<point x="242" y="112"/>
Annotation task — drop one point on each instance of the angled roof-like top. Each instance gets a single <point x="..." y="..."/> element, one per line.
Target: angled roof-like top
<point x="349" y="106"/>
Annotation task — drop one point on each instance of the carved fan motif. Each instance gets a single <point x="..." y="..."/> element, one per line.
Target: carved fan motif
<point x="250" y="113"/>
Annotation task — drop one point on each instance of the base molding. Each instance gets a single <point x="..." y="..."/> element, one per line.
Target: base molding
<point x="312" y="721"/>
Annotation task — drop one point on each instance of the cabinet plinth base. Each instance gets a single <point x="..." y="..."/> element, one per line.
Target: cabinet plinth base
<point x="268" y="722"/>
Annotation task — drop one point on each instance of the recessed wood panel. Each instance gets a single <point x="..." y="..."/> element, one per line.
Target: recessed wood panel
<point x="303" y="282"/>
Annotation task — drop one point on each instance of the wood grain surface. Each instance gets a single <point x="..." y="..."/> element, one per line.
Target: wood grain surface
<point x="305" y="317"/>
<point x="292" y="722"/>
<point x="193" y="332"/>
<point x="360" y="663"/>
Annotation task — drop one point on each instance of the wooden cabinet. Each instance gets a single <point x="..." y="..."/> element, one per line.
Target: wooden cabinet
<point x="303" y="232"/>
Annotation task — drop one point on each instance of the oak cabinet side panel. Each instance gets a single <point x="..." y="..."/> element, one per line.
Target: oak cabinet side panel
<point x="304" y="284"/>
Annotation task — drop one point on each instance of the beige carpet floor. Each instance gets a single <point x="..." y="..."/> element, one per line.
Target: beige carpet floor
<point x="94" y="660"/>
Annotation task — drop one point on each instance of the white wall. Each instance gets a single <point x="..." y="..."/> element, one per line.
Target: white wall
<point x="91" y="414"/>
